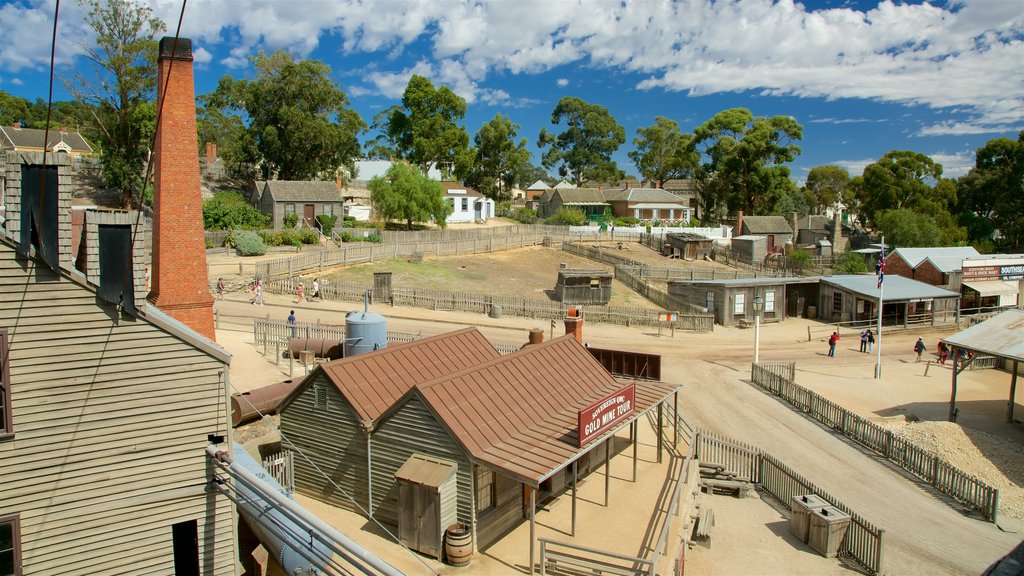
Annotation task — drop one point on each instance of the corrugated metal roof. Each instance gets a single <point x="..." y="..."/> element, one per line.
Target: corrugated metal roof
<point x="1002" y="335"/>
<point x="765" y="225"/>
<point x="373" y="382"/>
<point x="303" y="191"/>
<point x="643" y="195"/>
<point x="33" y="138"/>
<point x="425" y="470"/>
<point x="539" y="185"/>
<point x="946" y="258"/>
<point x="993" y="287"/>
<point x="897" y="288"/>
<point x="518" y="413"/>
<point x="581" y="195"/>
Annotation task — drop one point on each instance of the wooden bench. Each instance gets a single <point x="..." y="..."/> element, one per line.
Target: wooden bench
<point x="704" y="521"/>
<point x="736" y="487"/>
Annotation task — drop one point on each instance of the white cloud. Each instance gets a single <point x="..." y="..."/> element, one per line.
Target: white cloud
<point x="965" y="54"/>
<point x="842" y="120"/>
<point x="955" y="164"/>
<point x="202" y="55"/>
<point x="562" y="82"/>
<point x="854" y="167"/>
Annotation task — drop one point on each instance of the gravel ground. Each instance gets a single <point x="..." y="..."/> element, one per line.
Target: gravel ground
<point x="994" y="459"/>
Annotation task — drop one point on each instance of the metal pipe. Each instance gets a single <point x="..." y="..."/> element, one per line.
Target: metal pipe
<point x="268" y="502"/>
<point x="250" y="405"/>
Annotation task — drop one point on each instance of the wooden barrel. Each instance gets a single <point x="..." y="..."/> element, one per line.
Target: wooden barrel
<point x="458" y="544"/>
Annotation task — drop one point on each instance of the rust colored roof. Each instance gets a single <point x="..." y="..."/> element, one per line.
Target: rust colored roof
<point x="373" y="382"/>
<point x="518" y="413"/>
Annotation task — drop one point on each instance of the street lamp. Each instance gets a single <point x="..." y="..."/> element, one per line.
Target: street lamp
<point x="758" y="306"/>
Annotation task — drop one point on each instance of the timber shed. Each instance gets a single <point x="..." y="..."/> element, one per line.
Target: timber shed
<point x="509" y="424"/>
<point x="688" y="246"/>
<point x="576" y="286"/>
<point x="855" y="297"/>
<point x="732" y="300"/>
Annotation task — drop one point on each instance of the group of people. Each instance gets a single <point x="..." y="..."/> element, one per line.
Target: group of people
<point x="867" y="342"/>
<point x="301" y="289"/>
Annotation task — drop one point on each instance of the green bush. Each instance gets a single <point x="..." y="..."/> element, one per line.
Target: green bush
<point x="626" y="221"/>
<point x="326" y="223"/>
<point x="246" y="243"/>
<point x="799" y="259"/>
<point x="568" y="217"/>
<point x="525" y="215"/>
<point x="656" y="224"/>
<point x="290" y="220"/>
<point x="850" y="263"/>
<point x="307" y="236"/>
<point x="229" y="210"/>
<point x="347" y="237"/>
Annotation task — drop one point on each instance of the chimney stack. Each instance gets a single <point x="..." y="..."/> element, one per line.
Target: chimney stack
<point x="739" y="225"/>
<point x="211" y="149"/>
<point x="536" y="336"/>
<point x="574" y="324"/>
<point x="837" y="231"/>
<point x="179" y="258"/>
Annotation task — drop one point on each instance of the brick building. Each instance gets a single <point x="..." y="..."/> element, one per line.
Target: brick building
<point x="936" y="266"/>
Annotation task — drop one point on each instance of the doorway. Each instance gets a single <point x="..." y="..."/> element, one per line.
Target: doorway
<point x="309" y="215"/>
<point x="185" y="540"/>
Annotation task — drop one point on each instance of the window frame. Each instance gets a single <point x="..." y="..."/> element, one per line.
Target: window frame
<point x="739" y="306"/>
<point x="769" y="301"/>
<point x="289" y="208"/>
<point x="709" y="301"/>
<point x="6" y="413"/>
<point x="837" y="301"/>
<point x="480" y="474"/>
<point x="15" y="522"/>
<point x="328" y="209"/>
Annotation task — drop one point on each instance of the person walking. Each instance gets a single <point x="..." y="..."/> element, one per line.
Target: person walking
<point x="316" y="290"/>
<point x="919" y="348"/>
<point x="291" y="322"/>
<point x="299" y="292"/>
<point x="871" y="340"/>
<point x="258" y="293"/>
<point x="943" y="352"/>
<point x="864" y="341"/>
<point x="832" y="341"/>
<point x="220" y="288"/>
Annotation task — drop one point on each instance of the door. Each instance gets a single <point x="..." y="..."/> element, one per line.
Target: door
<point x="419" y="520"/>
<point x="185" y="540"/>
<point x="309" y="215"/>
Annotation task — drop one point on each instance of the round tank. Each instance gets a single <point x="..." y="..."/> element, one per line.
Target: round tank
<point x="364" y="332"/>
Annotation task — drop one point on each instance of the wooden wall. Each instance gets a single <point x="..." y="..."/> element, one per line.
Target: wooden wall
<point x="111" y="415"/>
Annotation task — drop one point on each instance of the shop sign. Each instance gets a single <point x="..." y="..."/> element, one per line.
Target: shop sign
<point x="981" y="272"/>
<point x="1011" y="272"/>
<point x="600" y="416"/>
<point x="666" y="316"/>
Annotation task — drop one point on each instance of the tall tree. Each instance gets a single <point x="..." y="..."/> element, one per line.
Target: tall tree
<point x="825" y="187"/>
<point x="124" y="59"/>
<point x="991" y="195"/>
<point x="533" y="173"/>
<point x="500" y="158"/>
<point x="425" y="130"/>
<point x="405" y="193"/>
<point x="583" y="151"/>
<point x="300" y="125"/>
<point x="744" y="160"/>
<point x="662" y="152"/>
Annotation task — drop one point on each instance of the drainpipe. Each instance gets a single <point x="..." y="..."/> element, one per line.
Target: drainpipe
<point x="265" y="508"/>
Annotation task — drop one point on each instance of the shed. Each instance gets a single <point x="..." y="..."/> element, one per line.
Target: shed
<point x="775" y="230"/>
<point x="749" y="248"/>
<point x="427" y="502"/>
<point x="689" y="246"/>
<point x="731" y="300"/>
<point x="305" y="199"/>
<point x="577" y="286"/>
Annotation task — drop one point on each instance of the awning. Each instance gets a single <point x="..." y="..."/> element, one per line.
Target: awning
<point x="420" y="469"/>
<point x="655" y="206"/>
<point x="993" y="287"/>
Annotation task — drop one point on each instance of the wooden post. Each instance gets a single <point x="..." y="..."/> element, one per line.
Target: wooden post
<point x="533" y="524"/>
<point x="660" y="422"/>
<point x="607" y="467"/>
<point x="575" y="476"/>
<point x="634" y="435"/>
<point x="675" y="422"/>
<point x="952" y="397"/>
<point x="1013" y="392"/>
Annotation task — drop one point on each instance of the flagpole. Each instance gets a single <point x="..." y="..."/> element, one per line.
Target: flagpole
<point x="881" y="292"/>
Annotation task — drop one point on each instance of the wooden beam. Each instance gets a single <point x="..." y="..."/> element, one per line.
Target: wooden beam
<point x="607" y="466"/>
<point x="952" y="397"/>
<point x="634" y="431"/>
<point x="533" y="524"/>
<point x="661" y="421"/>
<point x="1013" y="393"/>
<point x="575" y="476"/>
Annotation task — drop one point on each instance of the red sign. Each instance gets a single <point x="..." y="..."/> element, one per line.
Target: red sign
<point x="599" y="417"/>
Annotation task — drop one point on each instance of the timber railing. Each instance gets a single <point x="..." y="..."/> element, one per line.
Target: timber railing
<point x="268" y="332"/>
<point x="779" y="378"/>
<point x="863" y="541"/>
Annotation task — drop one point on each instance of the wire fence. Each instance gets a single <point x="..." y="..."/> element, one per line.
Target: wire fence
<point x="863" y="541"/>
<point x="778" y="378"/>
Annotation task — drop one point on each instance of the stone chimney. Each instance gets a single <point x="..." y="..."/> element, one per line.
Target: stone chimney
<point x="179" y="274"/>
<point x="837" y="231"/>
<point x="536" y="336"/>
<point x="739" y="224"/>
<point x="211" y="148"/>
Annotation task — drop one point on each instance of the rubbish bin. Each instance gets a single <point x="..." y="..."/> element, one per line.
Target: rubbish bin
<point x="800" y="511"/>
<point x="495" y="311"/>
<point x="827" y="529"/>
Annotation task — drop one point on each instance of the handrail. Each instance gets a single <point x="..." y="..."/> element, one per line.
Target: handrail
<point x="545" y="542"/>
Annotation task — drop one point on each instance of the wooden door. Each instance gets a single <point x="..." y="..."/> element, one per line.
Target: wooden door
<point x="309" y="214"/>
<point x="419" y="518"/>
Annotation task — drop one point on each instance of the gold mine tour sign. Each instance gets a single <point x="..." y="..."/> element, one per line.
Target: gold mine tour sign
<point x="600" y="416"/>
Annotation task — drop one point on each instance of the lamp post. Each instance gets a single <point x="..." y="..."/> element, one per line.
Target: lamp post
<point x="758" y="306"/>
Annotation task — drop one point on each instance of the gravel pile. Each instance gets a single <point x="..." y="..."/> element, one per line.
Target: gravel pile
<point x="995" y="460"/>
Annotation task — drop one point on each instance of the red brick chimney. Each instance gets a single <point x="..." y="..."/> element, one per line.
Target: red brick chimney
<point x="179" y="259"/>
<point x="574" y="324"/>
<point x="211" y="148"/>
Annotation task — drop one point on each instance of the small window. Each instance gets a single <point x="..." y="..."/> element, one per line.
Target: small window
<point x="10" y="546"/>
<point x="739" y="309"/>
<point x="328" y="209"/>
<point x="289" y="208"/>
<point x="484" y="489"/>
<point x="320" y="397"/>
<point x="837" y="301"/>
<point x="769" y="301"/>
<point x="595" y="283"/>
<point x="6" y="424"/>
<point x="465" y="204"/>
<point x="710" y="300"/>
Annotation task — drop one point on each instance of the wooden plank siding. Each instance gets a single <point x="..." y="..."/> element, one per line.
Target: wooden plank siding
<point x="111" y="416"/>
<point x="333" y="440"/>
<point x="413" y="428"/>
<point x="506" y="514"/>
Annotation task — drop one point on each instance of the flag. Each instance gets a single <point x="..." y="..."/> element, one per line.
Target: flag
<point x="880" y="269"/>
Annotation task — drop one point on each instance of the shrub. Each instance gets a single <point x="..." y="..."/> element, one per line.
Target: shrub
<point x="626" y="221"/>
<point x="568" y="217"/>
<point x="229" y="210"/>
<point x="306" y="236"/>
<point x="326" y="223"/>
<point x="525" y="215"/>
<point x="246" y="243"/>
<point x="290" y="220"/>
<point x="799" y="259"/>
<point x="656" y="224"/>
<point x="850" y="263"/>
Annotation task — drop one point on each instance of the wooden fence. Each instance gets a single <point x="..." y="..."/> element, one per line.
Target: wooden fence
<point x="863" y="541"/>
<point x="281" y="466"/>
<point x="269" y="332"/>
<point x="779" y="379"/>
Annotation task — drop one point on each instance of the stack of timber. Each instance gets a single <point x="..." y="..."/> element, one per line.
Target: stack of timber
<point x="716" y="478"/>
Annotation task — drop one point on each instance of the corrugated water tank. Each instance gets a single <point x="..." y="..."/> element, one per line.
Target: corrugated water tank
<point x="364" y="332"/>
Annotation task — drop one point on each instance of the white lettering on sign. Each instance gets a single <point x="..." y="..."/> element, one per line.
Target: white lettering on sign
<point x="605" y="413"/>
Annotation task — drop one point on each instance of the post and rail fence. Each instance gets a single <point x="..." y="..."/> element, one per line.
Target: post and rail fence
<point x="779" y="379"/>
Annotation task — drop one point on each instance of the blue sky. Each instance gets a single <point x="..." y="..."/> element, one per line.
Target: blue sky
<point x="862" y="77"/>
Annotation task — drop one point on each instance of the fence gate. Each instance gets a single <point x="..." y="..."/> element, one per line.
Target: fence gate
<point x="382" y="286"/>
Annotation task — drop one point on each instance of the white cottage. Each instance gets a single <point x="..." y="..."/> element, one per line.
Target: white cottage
<point x="467" y="204"/>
